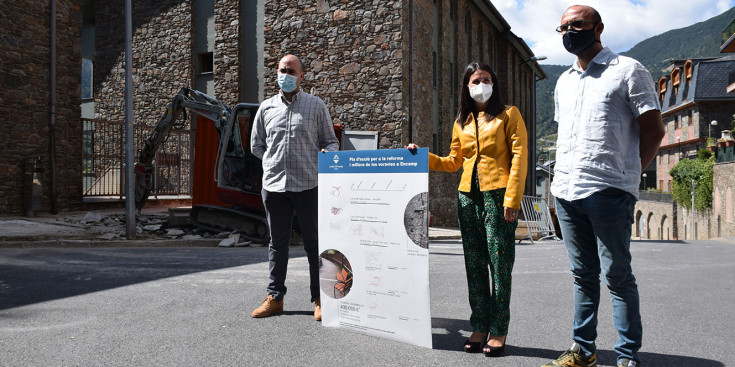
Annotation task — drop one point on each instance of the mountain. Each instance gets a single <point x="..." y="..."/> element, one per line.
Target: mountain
<point x="702" y="39"/>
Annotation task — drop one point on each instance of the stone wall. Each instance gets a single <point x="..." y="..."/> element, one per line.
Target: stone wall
<point x="24" y="101"/>
<point x="162" y="60"/>
<point x="655" y="217"/>
<point x="723" y="188"/>
<point x="227" y="51"/>
<point x="352" y="53"/>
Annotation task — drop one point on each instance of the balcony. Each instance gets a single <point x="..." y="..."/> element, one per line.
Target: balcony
<point x="728" y="38"/>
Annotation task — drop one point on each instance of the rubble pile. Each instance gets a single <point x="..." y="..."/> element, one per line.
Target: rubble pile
<point x="148" y="226"/>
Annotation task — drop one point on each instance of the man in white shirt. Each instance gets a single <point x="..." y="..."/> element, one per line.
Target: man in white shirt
<point x="289" y="131"/>
<point x="610" y="128"/>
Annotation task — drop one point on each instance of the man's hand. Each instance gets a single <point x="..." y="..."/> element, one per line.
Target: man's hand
<point x="412" y="146"/>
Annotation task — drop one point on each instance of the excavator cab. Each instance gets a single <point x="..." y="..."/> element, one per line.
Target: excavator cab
<point x="239" y="181"/>
<point x="239" y="173"/>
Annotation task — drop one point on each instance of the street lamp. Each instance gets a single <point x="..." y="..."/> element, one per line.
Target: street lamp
<point x="531" y="177"/>
<point x="713" y="123"/>
<point x="644" y="180"/>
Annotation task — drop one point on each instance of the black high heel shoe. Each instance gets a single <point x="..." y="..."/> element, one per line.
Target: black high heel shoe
<point x="472" y="347"/>
<point x="494" y="351"/>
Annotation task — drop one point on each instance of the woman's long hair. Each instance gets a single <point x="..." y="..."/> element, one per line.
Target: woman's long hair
<point x="496" y="104"/>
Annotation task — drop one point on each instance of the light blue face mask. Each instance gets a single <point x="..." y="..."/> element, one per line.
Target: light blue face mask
<point x="287" y="82"/>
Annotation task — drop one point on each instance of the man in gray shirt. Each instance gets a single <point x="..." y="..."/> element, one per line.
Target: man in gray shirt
<point x="289" y="131"/>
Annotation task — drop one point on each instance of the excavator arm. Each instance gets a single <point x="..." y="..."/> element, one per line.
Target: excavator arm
<point x="187" y="99"/>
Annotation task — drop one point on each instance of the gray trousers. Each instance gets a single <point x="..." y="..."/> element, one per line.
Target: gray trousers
<point x="279" y="208"/>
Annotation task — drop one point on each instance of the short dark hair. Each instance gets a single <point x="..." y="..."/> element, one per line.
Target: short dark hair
<point x="496" y="104"/>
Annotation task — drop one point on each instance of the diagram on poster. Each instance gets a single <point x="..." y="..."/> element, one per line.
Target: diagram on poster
<point x="373" y="243"/>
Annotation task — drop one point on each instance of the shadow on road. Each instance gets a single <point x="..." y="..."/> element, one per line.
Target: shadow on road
<point x="452" y="341"/>
<point x="40" y="275"/>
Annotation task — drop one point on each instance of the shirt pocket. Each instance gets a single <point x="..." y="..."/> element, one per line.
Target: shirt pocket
<point x="297" y="122"/>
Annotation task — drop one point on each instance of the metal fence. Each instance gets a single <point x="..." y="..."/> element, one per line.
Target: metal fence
<point x="537" y="219"/>
<point x="103" y="159"/>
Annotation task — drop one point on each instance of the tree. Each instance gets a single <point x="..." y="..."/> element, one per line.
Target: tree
<point x="700" y="170"/>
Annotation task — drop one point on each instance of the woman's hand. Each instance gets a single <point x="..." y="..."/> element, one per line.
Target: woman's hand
<point x="510" y="214"/>
<point x="412" y="146"/>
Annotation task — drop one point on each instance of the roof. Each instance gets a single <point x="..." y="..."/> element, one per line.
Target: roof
<point x="709" y="82"/>
<point x="711" y="79"/>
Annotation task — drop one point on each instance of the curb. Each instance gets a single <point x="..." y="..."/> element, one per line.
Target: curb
<point x="101" y="244"/>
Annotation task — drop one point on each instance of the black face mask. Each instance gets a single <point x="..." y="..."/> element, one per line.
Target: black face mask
<point x="577" y="41"/>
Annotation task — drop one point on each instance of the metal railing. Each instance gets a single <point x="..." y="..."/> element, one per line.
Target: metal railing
<point x="537" y="219"/>
<point x="103" y="160"/>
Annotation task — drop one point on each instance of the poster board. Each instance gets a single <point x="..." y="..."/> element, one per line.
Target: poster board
<point x="373" y="243"/>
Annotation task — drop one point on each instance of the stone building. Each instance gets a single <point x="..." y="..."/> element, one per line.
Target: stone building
<point x="692" y="96"/>
<point x="33" y="121"/>
<point x="391" y="67"/>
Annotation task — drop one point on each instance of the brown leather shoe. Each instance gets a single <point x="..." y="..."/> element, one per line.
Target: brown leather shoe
<point x="318" y="310"/>
<point x="270" y="307"/>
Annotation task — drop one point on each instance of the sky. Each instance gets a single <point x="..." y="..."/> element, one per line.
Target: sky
<point x="627" y="22"/>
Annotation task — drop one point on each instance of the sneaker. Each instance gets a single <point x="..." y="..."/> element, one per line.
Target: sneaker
<point x="318" y="310"/>
<point x="625" y="362"/>
<point x="270" y="307"/>
<point x="573" y="358"/>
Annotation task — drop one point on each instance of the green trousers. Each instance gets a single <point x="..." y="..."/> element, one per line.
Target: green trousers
<point x="489" y="243"/>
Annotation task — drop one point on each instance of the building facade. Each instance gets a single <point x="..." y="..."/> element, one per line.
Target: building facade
<point x="692" y="96"/>
<point x="391" y="67"/>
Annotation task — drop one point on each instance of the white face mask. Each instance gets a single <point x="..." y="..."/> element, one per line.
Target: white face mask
<point x="481" y="92"/>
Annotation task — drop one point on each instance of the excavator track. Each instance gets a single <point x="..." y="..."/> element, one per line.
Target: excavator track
<point x="251" y="226"/>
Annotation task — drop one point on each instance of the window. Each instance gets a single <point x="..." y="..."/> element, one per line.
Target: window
<point x="688" y="69"/>
<point x="675" y="77"/>
<point x="690" y="118"/>
<point x="87" y="79"/>
<point x="206" y="62"/>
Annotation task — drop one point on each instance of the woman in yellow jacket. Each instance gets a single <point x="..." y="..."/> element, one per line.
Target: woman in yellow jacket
<point x="489" y="142"/>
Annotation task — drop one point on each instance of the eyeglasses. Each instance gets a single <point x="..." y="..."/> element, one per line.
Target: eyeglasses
<point x="575" y="24"/>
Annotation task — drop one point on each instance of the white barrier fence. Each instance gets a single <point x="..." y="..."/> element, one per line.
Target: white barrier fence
<point x="537" y="218"/>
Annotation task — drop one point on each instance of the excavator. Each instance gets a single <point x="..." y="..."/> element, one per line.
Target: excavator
<point x="238" y="173"/>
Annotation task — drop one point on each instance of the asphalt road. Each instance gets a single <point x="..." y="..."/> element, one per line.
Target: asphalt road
<point x="191" y="307"/>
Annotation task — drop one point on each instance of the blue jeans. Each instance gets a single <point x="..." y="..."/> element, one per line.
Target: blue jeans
<point x="597" y="232"/>
<point x="279" y="208"/>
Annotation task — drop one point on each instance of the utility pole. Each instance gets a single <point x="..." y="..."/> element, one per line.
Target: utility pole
<point x="129" y="161"/>
<point x="692" y="229"/>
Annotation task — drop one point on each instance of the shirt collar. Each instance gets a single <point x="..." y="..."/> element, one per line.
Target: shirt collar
<point x="295" y="96"/>
<point x="604" y="57"/>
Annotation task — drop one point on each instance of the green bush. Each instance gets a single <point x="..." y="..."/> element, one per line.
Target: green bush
<point x="698" y="169"/>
